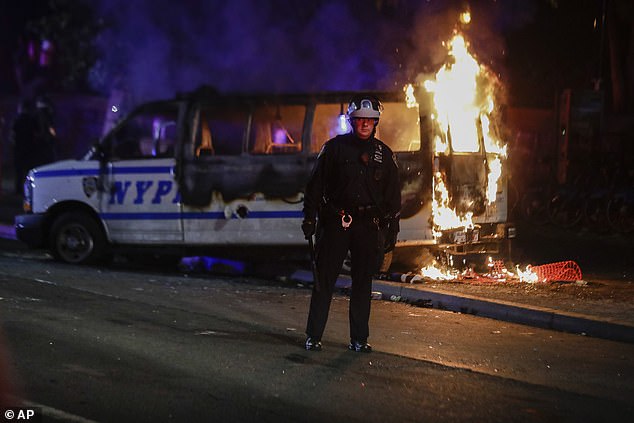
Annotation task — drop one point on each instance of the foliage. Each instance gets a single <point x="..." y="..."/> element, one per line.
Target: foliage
<point x="72" y="28"/>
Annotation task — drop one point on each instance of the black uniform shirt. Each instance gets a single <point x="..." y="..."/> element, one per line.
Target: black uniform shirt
<point x="351" y="172"/>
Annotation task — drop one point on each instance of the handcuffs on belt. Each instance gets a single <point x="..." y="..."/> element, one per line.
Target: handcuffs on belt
<point x="346" y="220"/>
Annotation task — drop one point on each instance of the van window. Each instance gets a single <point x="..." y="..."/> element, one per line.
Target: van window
<point x="220" y="131"/>
<point x="398" y="128"/>
<point x="329" y="122"/>
<point x="277" y="129"/>
<point x="145" y="135"/>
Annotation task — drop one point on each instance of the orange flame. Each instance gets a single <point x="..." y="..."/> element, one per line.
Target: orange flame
<point x="463" y="97"/>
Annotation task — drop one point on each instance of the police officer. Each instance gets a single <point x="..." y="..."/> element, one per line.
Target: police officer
<point x="23" y="136"/>
<point x="46" y="135"/>
<point x="355" y="196"/>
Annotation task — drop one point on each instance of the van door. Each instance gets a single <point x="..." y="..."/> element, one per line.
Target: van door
<point x="142" y="205"/>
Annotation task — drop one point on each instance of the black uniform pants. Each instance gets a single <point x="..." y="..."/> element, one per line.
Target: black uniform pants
<point x="333" y="244"/>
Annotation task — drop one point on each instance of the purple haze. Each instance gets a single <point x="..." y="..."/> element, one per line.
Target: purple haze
<point x="155" y="48"/>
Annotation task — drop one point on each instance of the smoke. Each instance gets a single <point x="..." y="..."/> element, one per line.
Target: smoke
<point x="490" y="22"/>
<point x="155" y="48"/>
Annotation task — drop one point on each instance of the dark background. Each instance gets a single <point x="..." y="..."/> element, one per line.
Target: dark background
<point x="156" y="48"/>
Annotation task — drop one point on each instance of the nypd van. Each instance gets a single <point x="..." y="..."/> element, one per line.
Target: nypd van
<point x="218" y="174"/>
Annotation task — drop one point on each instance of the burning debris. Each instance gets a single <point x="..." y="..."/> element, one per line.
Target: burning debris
<point x="565" y="271"/>
<point x="560" y="271"/>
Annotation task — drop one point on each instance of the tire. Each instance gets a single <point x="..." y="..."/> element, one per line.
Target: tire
<point x="533" y="208"/>
<point x="77" y="238"/>
<point x="595" y="214"/>
<point x="621" y="215"/>
<point x="565" y="210"/>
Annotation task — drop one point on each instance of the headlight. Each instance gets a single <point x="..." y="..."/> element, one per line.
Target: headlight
<point x="27" y="202"/>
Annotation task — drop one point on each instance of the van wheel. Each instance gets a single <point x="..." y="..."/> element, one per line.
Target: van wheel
<point x="77" y="238"/>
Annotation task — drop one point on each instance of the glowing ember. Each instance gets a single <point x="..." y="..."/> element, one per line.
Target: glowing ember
<point x="465" y="17"/>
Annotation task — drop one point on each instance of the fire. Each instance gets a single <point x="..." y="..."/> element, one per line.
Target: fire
<point x="463" y="94"/>
<point x="455" y="90"/>
<point x="435" y="273"/>
<point x="527" y="275"/>
<point x="410" y="99"/>
<point x="442" y="214"/>
<point x="465" y="17"/>
<point x="469" y="158"/>
<point x="495" y="171"/>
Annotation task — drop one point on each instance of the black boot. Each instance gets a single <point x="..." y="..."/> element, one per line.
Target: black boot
<point x="312" y="344"/>
<point x="358" y="346"/>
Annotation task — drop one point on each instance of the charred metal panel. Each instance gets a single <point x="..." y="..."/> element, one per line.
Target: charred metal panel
<point x="244" y="176"/>
<point x="467" y="181"/>
<point x="416" y="182"/>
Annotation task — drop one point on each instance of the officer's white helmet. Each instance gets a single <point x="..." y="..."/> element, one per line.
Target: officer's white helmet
<point x="365" y="107"/>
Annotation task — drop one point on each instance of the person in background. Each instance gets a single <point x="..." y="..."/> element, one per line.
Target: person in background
<point x="46" y="135"/>
<point x="23" y="138"/>
<point x="33" y="137"/>
<point x="352" y="203"/>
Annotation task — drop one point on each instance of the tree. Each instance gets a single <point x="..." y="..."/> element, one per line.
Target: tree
<point x="66" y="34"/>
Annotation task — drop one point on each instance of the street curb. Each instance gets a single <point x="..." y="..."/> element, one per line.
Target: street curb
<point x="501" y="310"/>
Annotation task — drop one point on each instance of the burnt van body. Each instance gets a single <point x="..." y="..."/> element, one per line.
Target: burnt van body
<point x="218" y="174"/>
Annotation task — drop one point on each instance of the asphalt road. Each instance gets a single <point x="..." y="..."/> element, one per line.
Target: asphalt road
<point x="132" y="344"/>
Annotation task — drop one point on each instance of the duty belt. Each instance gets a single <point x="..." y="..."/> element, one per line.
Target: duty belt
<point x="360" y="212"/>
<point x="365" y="211"/>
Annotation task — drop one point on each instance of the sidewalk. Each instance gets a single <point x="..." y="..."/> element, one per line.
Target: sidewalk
<point x="518" y="307"/>
<point x="602" y="305"/>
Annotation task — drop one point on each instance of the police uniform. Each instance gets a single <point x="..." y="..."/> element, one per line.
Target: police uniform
<point x="358" y="179"/>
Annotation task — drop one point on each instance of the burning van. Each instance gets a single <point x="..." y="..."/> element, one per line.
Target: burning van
<point x="224" y="174"/>
<point x="219" y="174"/>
